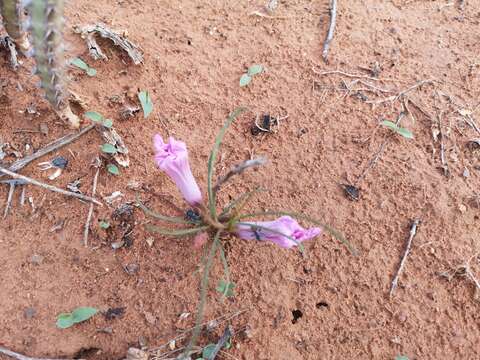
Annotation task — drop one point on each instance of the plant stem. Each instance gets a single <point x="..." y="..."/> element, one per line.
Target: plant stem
<point x="203" y="295"/>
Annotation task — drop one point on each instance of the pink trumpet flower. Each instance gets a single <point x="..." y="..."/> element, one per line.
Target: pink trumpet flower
<point x="172" y="157"/>
<point x="284" y="225"/>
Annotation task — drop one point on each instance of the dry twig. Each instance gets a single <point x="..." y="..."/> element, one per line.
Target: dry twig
<point x="238" y="169"/>
<point x="18" y="356"/>
<point x="49" y="187"/>
<point x="90" y="210"/>
<point x="413" y="231"/>
<point x="331" y="29"/>
<point x="88" y="32"/>
<point x="57" y="144"/>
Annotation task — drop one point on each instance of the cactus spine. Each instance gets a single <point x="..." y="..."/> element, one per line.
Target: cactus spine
<point x="46" y="27"/>
<point x="12" y="14"/>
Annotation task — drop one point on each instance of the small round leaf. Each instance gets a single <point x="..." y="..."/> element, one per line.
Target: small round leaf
<point x="207" y="351"/>
<point x="107" y="123"/>
<point x="64" y="320"/>
<point x="113" y="169"/>
<point x="83" y="313"/>
<point x="255" y="69"/>
<point x="109" y="149"/>
<point x="94" y="116"/>
<point x="245" y="80"/>
<point x="91" y="72"/>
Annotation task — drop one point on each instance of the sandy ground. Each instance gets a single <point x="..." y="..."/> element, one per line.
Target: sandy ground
<point x="194" y="56"/>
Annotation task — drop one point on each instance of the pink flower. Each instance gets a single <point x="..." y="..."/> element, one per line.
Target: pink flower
<point x="284" y="225"/>
<point x="173" y="159"/>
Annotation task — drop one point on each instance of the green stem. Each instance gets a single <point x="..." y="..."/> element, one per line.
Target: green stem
<point x="203" y="295"/>
<point x="226" y="269"/>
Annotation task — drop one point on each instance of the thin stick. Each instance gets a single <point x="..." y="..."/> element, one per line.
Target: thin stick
<point x="227" y="334"/>
<point x="57" y="144"/>
<point x="238" y="169"/>
<point x="49" y="187"/>
<point x="9" y="199"/>
<point x="413" y="231"/>
<point x="18" y="356"/>
<point x="374" y="160"/>
<point x="331" y="29"/>
<point x="90" y="210"/>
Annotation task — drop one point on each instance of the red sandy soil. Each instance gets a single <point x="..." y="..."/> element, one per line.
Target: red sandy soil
<point x="195" y="54"/>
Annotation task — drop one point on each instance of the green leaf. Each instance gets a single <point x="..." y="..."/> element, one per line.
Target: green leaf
<point x="83" y="313"/>
<point x="146" y="103"/>
<point x="254" y="70"/>
<point x="175" y="233"/>
<point x="64" y="320"/>
<point x="107" y="123"/>
<point x="94" y="116"/>
<point x="109" y="149"/>
<point x="104" y="224"/>
<point x="225" y="288"/>
<point x="213" y="157"/>
<point x="113" y="169"/>
<point x="399" y="130"/>
<point x="228" y="344"/>
<point x="171" y="219"/>
<point x="207" y="351"/>
<point x="242" y="199"/>
<point x="91" y="72"/>
<point x="401" y="357"/>
<point x="80" y="64"/>
<point x="245" y="80"/>
<point x="207" y="265"/>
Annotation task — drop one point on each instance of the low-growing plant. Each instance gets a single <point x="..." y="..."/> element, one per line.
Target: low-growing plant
<point x="146" y="102"/>
<point x="80" y="314"/>
<point x="253" y="70"/>
<point x="399" y="130"/>
<point x="79" y="63"/>
<point x="285" y="231"/>
<point x="99" y="118"/>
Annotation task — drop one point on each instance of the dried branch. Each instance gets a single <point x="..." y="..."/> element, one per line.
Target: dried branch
<point x="57" y="144"/>
<point x="413" y="231"/>
<point x="8" y="44"/>
<point x="331" y="29"/>
<point x="227" y="334"/>
<point x="18" y="356"/>
<point x="238" y="169"/>
<point x="49" y="187"/>
<point x="87" y="32"/>
<point x="90" y="210"/>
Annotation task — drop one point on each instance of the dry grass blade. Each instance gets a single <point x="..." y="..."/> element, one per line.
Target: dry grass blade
<point x="49" y="187"/>
<point x="18" y="356"/>
<point x="331" y="29"/>
<point x="238" y="169"/>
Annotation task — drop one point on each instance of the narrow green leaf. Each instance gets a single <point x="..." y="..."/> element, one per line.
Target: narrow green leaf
<point x="64" y="320"/>
<point x="113" y="169"/>
<point x="91" y="72"/>
<point x="175" y="233"/>
<point x="79" y="63"/>
<point x="94" y="116"/>
<point x="225" y="288"/>
<point x="405" y="133"/>
<point x="107" y="123"/>
<point x="245" y="80"/>
<point x="399" y="130"/>
<point x="207" y="265"/>
<point x="146" y="102"/>
<point x="83" y="313"/>
<point x="336" y="234"/>
<point x="109" y="149"/>
<point x="208" y="350"/>
<point x="104" y="224"/>
<point x="401" y="357"/>
<point x="255" y="69"/>
<point x="171" y="219"/>
<point x="240" y="200"/>
<point x="213" y="157"/>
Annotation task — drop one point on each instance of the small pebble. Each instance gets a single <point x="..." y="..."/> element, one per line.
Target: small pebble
<point x="29" y="313"/>
<point x="37" y="259"/>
